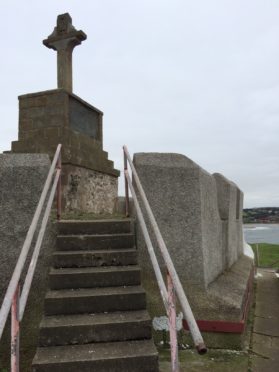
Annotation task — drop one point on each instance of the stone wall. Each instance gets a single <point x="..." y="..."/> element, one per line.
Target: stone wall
<point x="196" y="213"/>
<point x="88" y="191"/>
<point x="21" y="181"/>
<point x="199" y="216"/>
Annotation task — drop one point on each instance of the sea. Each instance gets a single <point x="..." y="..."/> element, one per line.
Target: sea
<point x="261" y="233"/>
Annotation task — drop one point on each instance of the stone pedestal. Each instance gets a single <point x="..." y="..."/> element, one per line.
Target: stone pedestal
<point x="199" y="216"/>
<point x="57" y="116"/>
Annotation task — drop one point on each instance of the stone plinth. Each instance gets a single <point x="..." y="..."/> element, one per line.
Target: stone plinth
<point x="88" y="190"/>
<point x="199" y="216"/>
<point x="22" y="177"/>
<point x="57" y="116"/>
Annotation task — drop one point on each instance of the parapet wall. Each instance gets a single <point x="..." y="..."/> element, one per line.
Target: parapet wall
<point x="22" y="177"/>
<point x="199" y="216"/>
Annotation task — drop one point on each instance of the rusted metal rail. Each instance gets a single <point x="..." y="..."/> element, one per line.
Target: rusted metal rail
<point x="13" y="300"/>
<point x="173" y="281"/>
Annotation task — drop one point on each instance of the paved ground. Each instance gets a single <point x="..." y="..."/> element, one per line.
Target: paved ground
<point x="213" y="361"/>
<point x="263" y="355"/>
<point x="265" y="336"/>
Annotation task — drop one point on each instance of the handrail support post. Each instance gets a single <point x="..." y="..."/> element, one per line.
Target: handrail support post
<point x="59" y="188"/>
<point x="127" y="203"/>
<point x="172" y="324"/>
<point x="15" y="324"/>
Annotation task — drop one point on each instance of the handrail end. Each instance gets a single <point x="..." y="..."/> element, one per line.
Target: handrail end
<point x="201" y="348"/>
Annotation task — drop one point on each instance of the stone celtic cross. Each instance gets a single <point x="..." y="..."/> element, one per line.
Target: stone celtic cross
<point x="63" y="39"/>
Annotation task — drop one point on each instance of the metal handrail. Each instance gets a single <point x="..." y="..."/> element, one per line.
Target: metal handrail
<point x="174" y="284"/>
<point x="13" y="300"/>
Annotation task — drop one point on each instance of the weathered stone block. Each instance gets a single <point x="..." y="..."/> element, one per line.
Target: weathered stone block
<point x="27" y="125"/>
<point x="32" y="102"/>
<point x="56" y="97"/>
<point x="33" y="112"/>
<point x="51" y="110"/>
<point x="21" y="147"/>
<point x="52" y="134"/>
<point x="75" y="140"/>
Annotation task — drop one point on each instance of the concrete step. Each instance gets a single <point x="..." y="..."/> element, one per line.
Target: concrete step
<point x="110" y="226"/>
<point x="105" y="241"/>
<point x="106" y="276"/>
<point x="95" y="258"/>
<point x="88" y="328"/>
<point x="94" y="300"/>
<point x="128" y="356"/>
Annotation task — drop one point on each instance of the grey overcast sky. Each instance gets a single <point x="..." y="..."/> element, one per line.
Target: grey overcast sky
<point x="200" y="78"/>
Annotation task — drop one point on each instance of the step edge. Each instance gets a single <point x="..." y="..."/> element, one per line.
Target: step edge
<point x="93" y="270"/>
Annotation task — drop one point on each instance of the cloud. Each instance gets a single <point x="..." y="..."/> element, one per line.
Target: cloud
<point x="198" y="78"/>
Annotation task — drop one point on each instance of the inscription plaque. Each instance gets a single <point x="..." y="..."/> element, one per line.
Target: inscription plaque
<point x="84" y="119"/>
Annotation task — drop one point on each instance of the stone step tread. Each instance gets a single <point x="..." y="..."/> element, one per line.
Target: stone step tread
<point x="99" y="236"/>
<point x="58" y="321"/>
<point x="94" y="276"/>
<point x="107" y="226"/>
<point x="88" y="328"/>
<point x="95" y="241"/>
<point x="95" y="258"/>
<point x="94" y="352"/>
<point x="104" y="221"/>
<point x="94" y="300"/>
<point x="90" y="292"/>
<point x="93" y="251"/>
<point x="93" y="270"/>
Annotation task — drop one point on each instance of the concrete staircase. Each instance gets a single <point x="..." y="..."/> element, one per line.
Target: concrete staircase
<point x="95" y="312"/>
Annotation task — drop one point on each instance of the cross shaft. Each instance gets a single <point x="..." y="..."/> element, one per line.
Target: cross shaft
<point x="64" y="39"/>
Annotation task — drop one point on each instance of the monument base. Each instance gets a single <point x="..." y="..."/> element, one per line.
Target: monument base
<point x="88" y="191"/>
<point x="48" y="118"/>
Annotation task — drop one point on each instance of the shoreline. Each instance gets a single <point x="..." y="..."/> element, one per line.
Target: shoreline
<point x="255" y="224"/>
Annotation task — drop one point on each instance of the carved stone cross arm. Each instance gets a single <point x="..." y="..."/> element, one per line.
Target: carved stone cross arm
<point x="63" y="40"/>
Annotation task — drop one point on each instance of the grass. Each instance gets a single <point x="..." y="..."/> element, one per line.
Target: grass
<point x="268" y="255"/>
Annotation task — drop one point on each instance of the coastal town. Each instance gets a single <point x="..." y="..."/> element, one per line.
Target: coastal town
<point x="261" y="215"/>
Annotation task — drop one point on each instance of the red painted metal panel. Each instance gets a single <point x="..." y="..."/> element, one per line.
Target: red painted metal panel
<point x="218" y="326"/>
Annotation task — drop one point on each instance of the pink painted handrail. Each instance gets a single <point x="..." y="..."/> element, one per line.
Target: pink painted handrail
<point x="174" y="287"/>
<point x="15" y="301"/>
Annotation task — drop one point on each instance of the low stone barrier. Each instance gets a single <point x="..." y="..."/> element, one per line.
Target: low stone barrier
<point x="22" y="177"/>
<point x="200" y="218"/>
